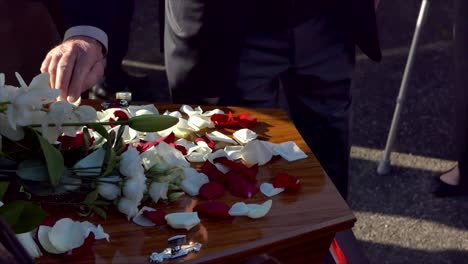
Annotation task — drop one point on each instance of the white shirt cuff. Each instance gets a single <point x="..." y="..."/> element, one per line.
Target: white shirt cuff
<point x="88" y="31"/>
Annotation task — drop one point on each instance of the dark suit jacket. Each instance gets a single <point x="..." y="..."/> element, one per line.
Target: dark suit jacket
<point x="230" y="21"/>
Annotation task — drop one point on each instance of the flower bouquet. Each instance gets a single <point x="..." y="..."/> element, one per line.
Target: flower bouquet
<point x="55" y="152"/>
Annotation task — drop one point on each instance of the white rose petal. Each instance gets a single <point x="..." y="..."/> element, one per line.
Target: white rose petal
<point x="185" y="143"/>
<point x="217" y="154"/>
<point x="218" y="136"/>
<point x="182" y="220"/>
<point x="257" y="152"/>
<point x="98" y="231"/>
<point x="212" y="112"/>
<point x="289" y="151"/>
<point x="259" y="210"/>
<point x="93" y="160"/>
<point x="43" y="237"/>
<point x="27" y="241"/>
<point x="234" y="152"/>
<point x="269" y="190"/>
<point x="141" y="220"/>
<point x="245" y="135"/>
<point x="200" y="121"/>
<point x="251" y="210"/>
<point x="193" y="181"/>
<point x="171" y="155"/>
<point x="66" y="235"/>
<point x="136" y="110"/>
<point x="190" y="111"/>
<point x="238" y="209"/>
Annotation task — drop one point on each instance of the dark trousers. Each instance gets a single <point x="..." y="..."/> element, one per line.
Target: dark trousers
<point x="461" y="88"/>
<point x="306" y="69"/>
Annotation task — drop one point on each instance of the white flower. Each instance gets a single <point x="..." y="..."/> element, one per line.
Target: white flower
<point x="7" y="131"/>
<point x="28" y="99"/>
<point x="128" y="207"/>
<point x="27" y="241"/>
<point x="158" y="190"/>
<point x="130" y="163"/>
<point x="134" y="189"/>
<point x="109" y="191"/>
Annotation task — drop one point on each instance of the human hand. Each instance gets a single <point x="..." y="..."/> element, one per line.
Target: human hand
<point x="74" y="66"/>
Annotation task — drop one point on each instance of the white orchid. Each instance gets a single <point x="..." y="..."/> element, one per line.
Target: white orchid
<point x="158" y="190"/>
<point x="134" y="189"/>
<point x="110" y="189"/>
<point x="128" y="207"/>
<point x="28" y="99"/>
<point x="130" y="163"/>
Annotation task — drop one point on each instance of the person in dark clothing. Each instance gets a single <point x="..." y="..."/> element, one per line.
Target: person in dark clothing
<point x="455" y="181"/>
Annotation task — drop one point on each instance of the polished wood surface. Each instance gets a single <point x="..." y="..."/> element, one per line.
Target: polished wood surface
<point x="298" y="229"/>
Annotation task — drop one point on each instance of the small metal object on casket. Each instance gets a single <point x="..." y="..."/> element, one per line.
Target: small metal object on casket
<point x="178" y="247"/>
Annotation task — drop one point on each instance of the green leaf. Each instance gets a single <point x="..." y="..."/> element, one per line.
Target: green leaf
<point x="87" y="140"/>
<point x="175" y="196"/>
<point x="99" y="211"/>
<point x="33" y="170"/>
<point x="22" y="216"/>
<point x="111" y="162"/>
<point x="3" y="189"/>
<point x="54" y="159"/>
<point x="152" y="123"/>
<point x="120" y="133"/>
<point x="100" y="129"/>
<point x="111" y="138"/>
<point x="91" y="197"/>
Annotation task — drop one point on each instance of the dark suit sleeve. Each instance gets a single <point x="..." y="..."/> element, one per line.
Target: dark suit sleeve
<point x="102" y="14"/>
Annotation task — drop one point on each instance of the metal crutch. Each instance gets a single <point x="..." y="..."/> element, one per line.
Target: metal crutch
<point x="384" y="164"/>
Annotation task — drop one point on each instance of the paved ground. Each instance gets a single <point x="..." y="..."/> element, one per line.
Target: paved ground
<point x="399" y="221"/>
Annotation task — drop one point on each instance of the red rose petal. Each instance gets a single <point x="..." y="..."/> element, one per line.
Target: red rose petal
<point x="286" y="181"/>
<point x="211" y="190"/>
<point x="210" y="170"/>
<point x="121" y="115"/>
<point x="249" y="173"/>
<point x="49" y="221"/>
<point x="145" y="145"/>
<point x="213" y="209"/>
<point x="235" y="122"/>
<point x="246" y="121"/>
<point x="68" y="142"/>
<point x="181" y="149"/>
<point x="238" y="186"/>
<point x="157" y="217"/>
<point x="211" y="144"/>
